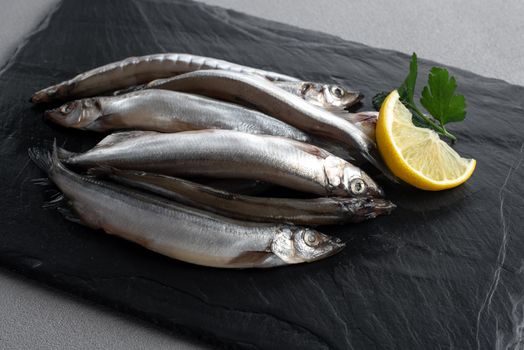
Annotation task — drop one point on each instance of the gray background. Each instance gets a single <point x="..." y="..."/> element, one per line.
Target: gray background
<point x="482" y="36"/>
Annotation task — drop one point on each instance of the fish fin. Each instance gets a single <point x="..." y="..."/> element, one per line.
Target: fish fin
<point x="118" y="137"/>
<point x="65" y="208"/>
<point x="104" y="123"/>
<point x="42" y="158"/>
<point x="61" y="204"/>
<point x="55" y="202"/>
<point x="250" y="258"/>
<point x="41" y="181"/>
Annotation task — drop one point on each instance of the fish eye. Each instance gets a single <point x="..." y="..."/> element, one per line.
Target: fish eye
<point x="337" y="91"/>
<point x="65" y="109"/>
<point x="311" y="239"/>
<point x="358" y="186"/>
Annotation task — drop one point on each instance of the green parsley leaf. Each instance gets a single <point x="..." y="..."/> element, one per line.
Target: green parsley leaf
<point x="378" y="99"/>
<point x="439" y="98"/>
<point x="407" y="89"/>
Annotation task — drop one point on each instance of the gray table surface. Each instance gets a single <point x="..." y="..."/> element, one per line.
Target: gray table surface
<point x="481" y="36"/>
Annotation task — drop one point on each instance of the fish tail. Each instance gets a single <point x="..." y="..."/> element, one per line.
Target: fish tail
<point x="47" y="160"/>
<point x="42" y="158"/>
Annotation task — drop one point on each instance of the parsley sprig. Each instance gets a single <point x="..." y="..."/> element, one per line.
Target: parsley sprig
<point x="438" y="98"/>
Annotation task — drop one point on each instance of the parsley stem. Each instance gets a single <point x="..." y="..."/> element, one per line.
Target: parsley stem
<point x="438" y="128"/>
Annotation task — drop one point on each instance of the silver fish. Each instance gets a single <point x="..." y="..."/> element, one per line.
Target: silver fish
<point x="167" y="111"/>
<point x="139" y="70"/>
<point x="327" y="96"/>
<point x="331" y="97"/>
<point x="231" y="154"/>
<point x="272" y="100"/>
<point x="318" y="211"/>
<point x="181" y="232"/>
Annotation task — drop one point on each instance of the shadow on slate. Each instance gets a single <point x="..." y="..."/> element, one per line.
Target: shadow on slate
<point x="445" y="270"/>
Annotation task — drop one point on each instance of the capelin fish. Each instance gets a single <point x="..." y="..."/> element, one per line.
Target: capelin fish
<point x="331" y="97"/>
<point x="327" y="96"/>
<point x="167" y="111"/>
<point x="318" y="211"/>
<point x="276" y="102"/>
<point x="139" y="70"/>
<point x="181" y="232"/>
<point x="230" y="154"/>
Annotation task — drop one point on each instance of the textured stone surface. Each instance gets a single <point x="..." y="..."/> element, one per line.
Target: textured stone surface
<point x="444" y="271"/>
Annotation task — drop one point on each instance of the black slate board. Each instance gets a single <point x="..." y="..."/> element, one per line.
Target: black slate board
<point x="446" y="270"/>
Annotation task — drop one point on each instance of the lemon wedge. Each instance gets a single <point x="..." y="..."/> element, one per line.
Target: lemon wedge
<point x="418" y="155"/>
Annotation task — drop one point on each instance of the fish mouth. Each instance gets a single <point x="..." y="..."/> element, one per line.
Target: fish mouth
<point x="64" y="114"/>
<point x="361" y="209"/>
<point x="330" y="247"/>
<point x="373" y="189"/>
<point x="55" y="115"/>
<point x="375" y="207"/>
<point x="353" y="98"/>
<point x="334" y="246"/>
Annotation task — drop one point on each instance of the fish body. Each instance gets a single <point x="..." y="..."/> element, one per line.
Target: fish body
<point x="167" y="111"/>
<point x="318" y="211"/>
<point x="138" y="70"/>
<point x="181" y="232"/>
<point x="233" y="155"/>
<point x="331" y="97"/>
<point x="276" y="102"/>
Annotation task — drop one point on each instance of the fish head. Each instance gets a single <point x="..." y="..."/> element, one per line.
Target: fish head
<point x="347" y="180"/>
<point x="329" y="96"/>
<point x="366" y="208"/>
<point x="295" y="245"/>
<point x="337" y="96"/>
<point x="80" y="114"/>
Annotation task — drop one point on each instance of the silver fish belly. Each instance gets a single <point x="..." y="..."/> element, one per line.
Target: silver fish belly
<point x="234" y="155"/>
<point x="167" y="111"/>
<point x="182" y="232"/>
<point x="318" y="211"/>
<point x="139" y="70"/>
<point x="270" y="99"/>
